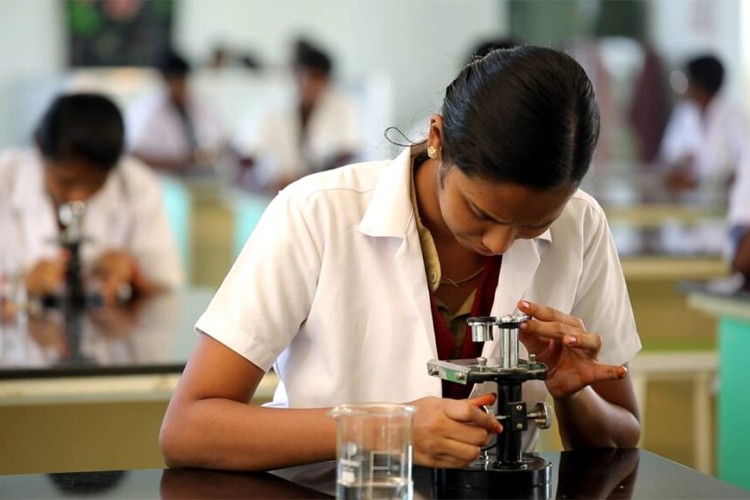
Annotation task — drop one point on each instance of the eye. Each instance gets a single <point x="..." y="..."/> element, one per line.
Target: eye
<point x="480" y="216"/>
<point x="477" y="214"/>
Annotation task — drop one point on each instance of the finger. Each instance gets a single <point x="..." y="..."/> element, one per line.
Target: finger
<point x="587" y="341"/>
<point x="549" y="329"/>
<point x="609" y="372"/>
<point x="566" y="334"/>
<point x="546" y="313"/>
<point x="467" y="411"/>
<point x="484" y="399"/>
<point x="452" y="453"/>
<point x="441" y="461"/>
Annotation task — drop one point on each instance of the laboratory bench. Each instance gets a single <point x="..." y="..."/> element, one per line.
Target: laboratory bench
<point x="727" y="301"/>
<point x="98" y="385"/>
<point x="624" y="473"/>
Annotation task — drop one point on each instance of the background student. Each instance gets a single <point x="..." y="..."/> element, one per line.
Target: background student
<point x="77" y="156"/>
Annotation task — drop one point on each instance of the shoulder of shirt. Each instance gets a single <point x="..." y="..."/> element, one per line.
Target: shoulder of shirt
<point x="583" y="203"/>
<point x="354" y="178"/>
<point x="136" y="171"/>
<point x="12" y="160"/>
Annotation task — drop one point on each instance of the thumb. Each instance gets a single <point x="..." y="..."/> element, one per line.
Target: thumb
<point x="484" y="399"/>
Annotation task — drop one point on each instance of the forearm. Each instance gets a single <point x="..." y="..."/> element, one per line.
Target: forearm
<point x="224" y="434"/>
<point x="586" y="420"/>
<point x="741" y="260"/>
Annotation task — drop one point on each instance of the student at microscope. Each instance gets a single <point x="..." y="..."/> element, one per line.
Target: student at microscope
<point x="355" y="277"/>
<point x="128" y="245"/>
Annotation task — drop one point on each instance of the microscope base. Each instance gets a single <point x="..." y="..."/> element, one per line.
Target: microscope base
<point x="533" y="473"/>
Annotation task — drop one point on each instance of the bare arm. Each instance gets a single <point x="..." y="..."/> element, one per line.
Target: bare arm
<point x="602" y="415"/>
<point x="209" y="424"/>
<point x="741" y="260"/>
<point x="595" y="403"/>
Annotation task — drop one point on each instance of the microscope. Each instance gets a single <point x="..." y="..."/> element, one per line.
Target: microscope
<point x="506" y="468"/>
<point x="71" y="238"/>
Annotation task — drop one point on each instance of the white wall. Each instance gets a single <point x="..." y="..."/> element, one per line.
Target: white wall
<point x="682" y="28"/>
<point x="419" y="44"/>
<point x="31" y="48"/>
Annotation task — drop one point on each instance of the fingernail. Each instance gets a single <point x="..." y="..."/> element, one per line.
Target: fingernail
<point x="524" y="304"/>
<point x="571" y="340"/>
<point x="498" y="428"/>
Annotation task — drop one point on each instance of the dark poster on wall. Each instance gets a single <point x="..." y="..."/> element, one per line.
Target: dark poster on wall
<point x="118" y="32"/>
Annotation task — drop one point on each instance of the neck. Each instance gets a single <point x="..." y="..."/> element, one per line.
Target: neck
<point x="427" y="184"/>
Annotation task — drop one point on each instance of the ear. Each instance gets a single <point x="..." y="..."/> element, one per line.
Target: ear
<point x="435" y="134"/>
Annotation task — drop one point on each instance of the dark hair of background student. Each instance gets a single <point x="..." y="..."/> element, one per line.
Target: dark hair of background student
<point x="706" y="72"/>
<point x="311" y="58"/>
<point x="82" y="128"/>
<point x="526" y="115"/>
<point x="172" y="64"/>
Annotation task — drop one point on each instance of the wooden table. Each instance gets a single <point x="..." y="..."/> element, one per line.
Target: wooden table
<point x="101" y="390"/>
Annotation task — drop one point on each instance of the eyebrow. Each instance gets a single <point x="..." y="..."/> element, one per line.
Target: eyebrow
<point x="482" y="213"/>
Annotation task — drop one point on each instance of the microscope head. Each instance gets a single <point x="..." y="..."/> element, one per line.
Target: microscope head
<point x="70" y="216"/>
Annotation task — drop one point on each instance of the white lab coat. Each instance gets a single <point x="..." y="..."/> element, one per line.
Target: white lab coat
<point x="154" y="127"/>
<point x="127" y="213"/>
<point x="274" y="139"/>
<point x="739" y="199"/>
<point x="715" y="141"/>
<point x="331" y="290"/>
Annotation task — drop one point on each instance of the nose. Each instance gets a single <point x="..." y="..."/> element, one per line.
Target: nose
<point x="499" y="238"/>
<point x="78" y="193"/>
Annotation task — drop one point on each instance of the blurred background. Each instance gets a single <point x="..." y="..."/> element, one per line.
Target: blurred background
<point x="391" y="60"/>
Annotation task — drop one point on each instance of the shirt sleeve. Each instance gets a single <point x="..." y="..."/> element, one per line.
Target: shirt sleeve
<point x="269" y="290"/>
<point x="602" y="295"/>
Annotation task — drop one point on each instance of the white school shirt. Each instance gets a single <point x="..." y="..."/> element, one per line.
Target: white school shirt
<point x="330" y="289"/>
<point x="739" y="198"/>
<point x="275" y="143"/>
<point x="715" y="140"/>
<point x="154" y="127"/>
<point x="127" y="213"/>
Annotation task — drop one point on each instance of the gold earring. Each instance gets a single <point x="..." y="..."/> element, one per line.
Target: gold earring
<point x="432" y="152"/>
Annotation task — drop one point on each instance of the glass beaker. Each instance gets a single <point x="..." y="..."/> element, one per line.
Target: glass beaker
<point x="374" y="451"/>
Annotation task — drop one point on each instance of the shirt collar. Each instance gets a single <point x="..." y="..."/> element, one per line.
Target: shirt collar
<point x="390" y="210"/>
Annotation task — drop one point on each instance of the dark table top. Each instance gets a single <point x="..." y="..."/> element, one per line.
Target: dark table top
<point x="631" y="473"/>
<point x="148" y="336"/>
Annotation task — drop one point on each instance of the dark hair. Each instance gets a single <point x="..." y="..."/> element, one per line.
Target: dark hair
<point x="525" y="115"/>
<point x="308" y="56"/>
<point x="82" y="127"/>
<point x="173" y="64"/>
<point x="484" y="47"/>
<point x="706" y="72"/>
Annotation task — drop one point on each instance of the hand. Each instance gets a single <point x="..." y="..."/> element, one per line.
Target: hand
<point x="561" y="342"/>
<point x="8" y="311"/>
<point x="450" y="432"/>
<point x="113" y="270"/>
<point x="46" y="277"/>
<point x="681" y="176"/>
